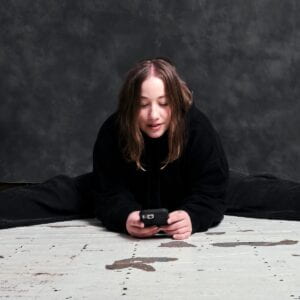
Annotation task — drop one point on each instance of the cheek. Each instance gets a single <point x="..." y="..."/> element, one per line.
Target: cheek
<point x="141" y="118"/>
<point x="168" y="114"/>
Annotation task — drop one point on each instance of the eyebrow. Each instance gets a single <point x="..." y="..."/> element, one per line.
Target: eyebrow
<point x="160" y="97"/>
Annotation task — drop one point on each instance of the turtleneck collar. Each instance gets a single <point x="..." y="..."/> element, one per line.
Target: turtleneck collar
<point x="155" y="151"/>
<point x="155" y="141"/>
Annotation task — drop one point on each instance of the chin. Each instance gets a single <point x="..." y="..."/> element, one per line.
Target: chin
<point x="155" y="135"/>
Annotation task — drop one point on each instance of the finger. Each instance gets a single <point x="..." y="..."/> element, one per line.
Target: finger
<point x="173" y="217"/>
<point x="178" y="231"/>
<point x="144" y="232"/>
<point x="181" y="236"/>
<point x="175" y="226"/>
<point x="147" y="230"/>
<point x="137" y="223"/>
<point x="151" y="232"/>
<point x="176" y="216"/>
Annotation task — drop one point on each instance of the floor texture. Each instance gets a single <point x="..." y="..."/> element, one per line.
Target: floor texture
<point x="242" y="258"/>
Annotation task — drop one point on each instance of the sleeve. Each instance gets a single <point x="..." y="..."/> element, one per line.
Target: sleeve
<point x="207" y="178"/>
<point x="111" y="193"/>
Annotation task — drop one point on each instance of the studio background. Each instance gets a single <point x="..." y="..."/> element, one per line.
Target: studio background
<point x="62" y="64"/>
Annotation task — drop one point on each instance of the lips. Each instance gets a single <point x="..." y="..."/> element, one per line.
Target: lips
<point x="154" y="126"/>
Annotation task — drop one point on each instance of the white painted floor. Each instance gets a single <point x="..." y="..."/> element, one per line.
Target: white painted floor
<point x="242" y="258"/>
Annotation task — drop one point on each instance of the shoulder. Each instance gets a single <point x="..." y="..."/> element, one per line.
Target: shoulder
<point x="109" y="128"/>
<point x="107" y="137"/>
<point x="203" y="142"/>
<point x="198" y="124"/>
<point x="110" y="124"/>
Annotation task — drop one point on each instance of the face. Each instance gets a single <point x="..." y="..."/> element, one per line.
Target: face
<point x="154" y="110"/>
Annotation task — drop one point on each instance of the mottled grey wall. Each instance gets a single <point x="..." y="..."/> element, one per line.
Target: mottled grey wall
<point x="62" y="63"/>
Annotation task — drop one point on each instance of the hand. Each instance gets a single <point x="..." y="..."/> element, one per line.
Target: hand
<point x="135" y="227"/>
<point x="180" y="225"/>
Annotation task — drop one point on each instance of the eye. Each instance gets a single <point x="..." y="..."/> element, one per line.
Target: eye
<point x="143" y="104"/>
<point x="164" y="103"/>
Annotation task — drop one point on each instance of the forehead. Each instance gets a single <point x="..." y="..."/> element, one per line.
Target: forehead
<point x="152" y="86"/>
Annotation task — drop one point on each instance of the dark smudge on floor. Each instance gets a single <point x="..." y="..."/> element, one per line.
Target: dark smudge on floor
<point x="176" y="244"/>
<point x="84" y="247"/>
<point x="246" y="230"/>
<point x="215" y="233"/>
<point x="141" y="263"/>
<point x="256" y="244"/>
<point x="48" y="274"/>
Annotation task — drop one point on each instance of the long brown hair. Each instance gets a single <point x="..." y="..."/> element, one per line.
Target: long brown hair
<point x="179" y="98"/>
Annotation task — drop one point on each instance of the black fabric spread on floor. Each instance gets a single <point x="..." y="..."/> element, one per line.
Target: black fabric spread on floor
<point x="263" y="196"/>
<point x="65" y="198"/>
<point x="60" y="198"/>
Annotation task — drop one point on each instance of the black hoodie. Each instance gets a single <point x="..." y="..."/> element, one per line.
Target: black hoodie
<point x="196" y="182"/>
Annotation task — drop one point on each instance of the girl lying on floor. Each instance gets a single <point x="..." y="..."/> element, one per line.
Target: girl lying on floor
<point x="158" y="150"/>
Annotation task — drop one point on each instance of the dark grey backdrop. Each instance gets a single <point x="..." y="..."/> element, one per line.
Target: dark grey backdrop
<point x="62" y="63"/>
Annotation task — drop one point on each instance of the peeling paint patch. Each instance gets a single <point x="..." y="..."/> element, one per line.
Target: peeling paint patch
<point x="234" y="244"/>
<point x="141" y="263"/>
<point x="215" y="233"/>
<point x="176" y="244"/>
<point x="84" y="247"/>
<point x="48" y="274"/>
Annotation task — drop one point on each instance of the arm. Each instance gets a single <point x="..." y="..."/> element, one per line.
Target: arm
<point x="111" y="192"/>
<point x="206" y="175"/>
<point x="115" y="205"/>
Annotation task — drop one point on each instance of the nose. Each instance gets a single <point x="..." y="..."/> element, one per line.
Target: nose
<point x="154" y="112"/>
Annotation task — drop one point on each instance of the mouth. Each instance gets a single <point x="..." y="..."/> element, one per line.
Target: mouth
<point x="154" y="126"/>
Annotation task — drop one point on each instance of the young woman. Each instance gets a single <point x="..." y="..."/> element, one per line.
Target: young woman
<point x="156" y="151"/>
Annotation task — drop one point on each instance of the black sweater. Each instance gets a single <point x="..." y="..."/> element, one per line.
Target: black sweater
<point x="196" y="182"/>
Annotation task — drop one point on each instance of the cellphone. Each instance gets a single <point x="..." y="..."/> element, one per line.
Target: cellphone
<point x="152" y="217"/>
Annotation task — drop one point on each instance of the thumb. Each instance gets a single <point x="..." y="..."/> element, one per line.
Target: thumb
<point x="138" y="223"/>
